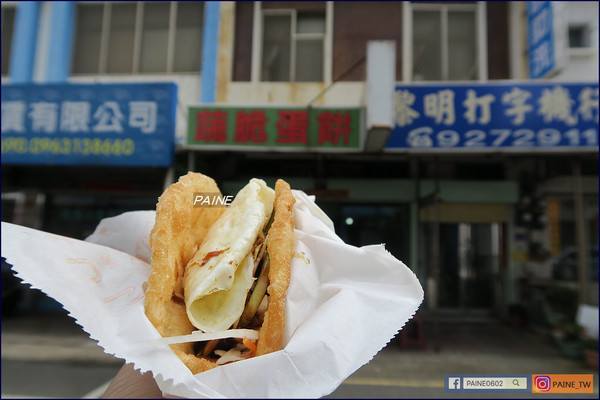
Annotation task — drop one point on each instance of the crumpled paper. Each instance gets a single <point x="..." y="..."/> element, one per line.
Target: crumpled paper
<point x="343" y="305"/>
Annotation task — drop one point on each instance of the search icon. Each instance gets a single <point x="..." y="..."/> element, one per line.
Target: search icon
<point x="515" y="382"/>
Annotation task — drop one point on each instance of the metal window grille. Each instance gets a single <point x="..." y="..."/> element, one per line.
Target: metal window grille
<point x="138" y="37"/>
<point x="293" y="46"/>
<point x="444" y="42"/>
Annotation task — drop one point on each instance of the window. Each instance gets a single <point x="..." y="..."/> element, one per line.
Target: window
<point x="138" y="37"/>
<point x="121" y="38"/>
<point x="444" y="43"/>
<point x="7" y="23"/>
<point x="579" y="36"/>
<point x="293" y="45"/>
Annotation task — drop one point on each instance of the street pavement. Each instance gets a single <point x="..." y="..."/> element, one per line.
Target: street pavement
<point x="47" y="355"/>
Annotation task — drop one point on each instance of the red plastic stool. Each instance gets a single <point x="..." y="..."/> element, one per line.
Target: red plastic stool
<point x="414" y="325"/>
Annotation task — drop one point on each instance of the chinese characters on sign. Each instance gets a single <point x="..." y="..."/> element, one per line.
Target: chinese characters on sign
<point x="89" y="124"/>
<point x="235" y="127"/>
<point x="499" y="116"/>
<point x="76" y="117"/>
<point x="547" y="37"/>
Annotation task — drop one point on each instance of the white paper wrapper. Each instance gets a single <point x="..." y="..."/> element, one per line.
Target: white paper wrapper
<point x="343" y="305"/>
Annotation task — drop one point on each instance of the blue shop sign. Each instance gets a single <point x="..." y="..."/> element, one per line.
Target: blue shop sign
<point x="506" y="116"/>
<point x="89" y="124"/>
<point x="540" y="39"/>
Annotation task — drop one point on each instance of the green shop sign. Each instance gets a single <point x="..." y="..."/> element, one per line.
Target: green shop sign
<point x="319" y="129"/>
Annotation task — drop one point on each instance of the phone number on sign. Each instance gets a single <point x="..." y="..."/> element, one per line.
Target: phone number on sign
<point x="84" y="146"/>
<point x="425" y="137"/>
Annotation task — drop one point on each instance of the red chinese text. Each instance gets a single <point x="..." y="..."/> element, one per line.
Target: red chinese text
<point x="333" y="126"/>
<point x="292" y="127"/>
<point x="250" y="127"/>
<point x="211" y="126"/>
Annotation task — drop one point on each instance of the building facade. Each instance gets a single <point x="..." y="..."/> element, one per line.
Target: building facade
<point x="483" y="227"/>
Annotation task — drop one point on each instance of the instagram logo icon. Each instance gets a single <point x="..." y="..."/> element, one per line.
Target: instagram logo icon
<point x="542" y="383"/>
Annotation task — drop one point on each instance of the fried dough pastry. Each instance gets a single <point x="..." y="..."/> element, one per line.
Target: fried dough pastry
<point x="178" y="231"/>
<point x="280" y="246"/>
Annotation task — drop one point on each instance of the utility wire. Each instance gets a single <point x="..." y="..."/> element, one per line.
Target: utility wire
<point x="352" y="68"/>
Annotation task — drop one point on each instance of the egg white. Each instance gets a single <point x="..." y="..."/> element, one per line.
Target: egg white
<point x="216" y="287"/>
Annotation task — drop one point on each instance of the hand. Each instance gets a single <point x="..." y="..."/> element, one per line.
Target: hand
<point x="130" y="383"/>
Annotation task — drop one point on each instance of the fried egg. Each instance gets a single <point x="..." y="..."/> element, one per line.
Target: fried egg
<point x="218" y="277"/>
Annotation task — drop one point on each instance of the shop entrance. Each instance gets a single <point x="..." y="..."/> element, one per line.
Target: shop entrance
<point x="470" y="260"/>
<point x="465" y="262"/>
<point x="368" y="224"/>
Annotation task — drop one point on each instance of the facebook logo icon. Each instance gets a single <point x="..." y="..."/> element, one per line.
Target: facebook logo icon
<point x="454" y="383"/>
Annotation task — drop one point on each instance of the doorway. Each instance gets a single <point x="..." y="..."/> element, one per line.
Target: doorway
<point x="368" y="224"/>
<point x="471" y="261"/>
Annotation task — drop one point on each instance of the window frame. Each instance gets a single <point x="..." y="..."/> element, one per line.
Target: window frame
<point x="137" y="39"/>
<point x="12" y="5"/>
<point x="479" y="9"/>
<point x="280" y="12"/>
<point x="585" y="31"/>
<point x="257" y="42"/>
<point x="588" y="49"/>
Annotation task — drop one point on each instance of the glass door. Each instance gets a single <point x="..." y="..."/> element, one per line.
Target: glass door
<point x="470" y="259"/>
